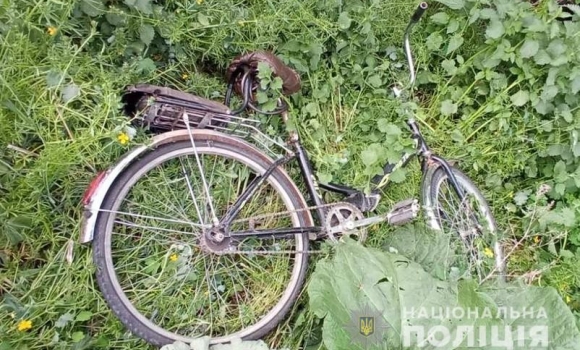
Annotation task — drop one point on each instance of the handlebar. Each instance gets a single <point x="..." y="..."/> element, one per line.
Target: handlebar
<point x="419" y="12"/>
<point x="414" y="20"/>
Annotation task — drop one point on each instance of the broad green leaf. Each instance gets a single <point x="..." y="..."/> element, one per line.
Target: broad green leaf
<point x="69" y="91"/>
<point x="557" y="48"/>
<point x="550" y="311"/>
<point x="344" y="20"/>
<point x="115" y="19"/>
<point x="262" y="97"/>
<point x="311" y="108"/>
<point x="453" y="4"/>
<point x="77" y="336"/>
<point x="521" y="197"/>
<point x="84" y="316"/>
<point x="542" y="57"/>
<point x="53" y="78"/>
<point x="387" y="127"/>
<point x="276" y="84"/>
<point x="323" y="177"/>
<point x="549" y="92"/>
<point x="146" y="34"/>
<point x="575" y="85"/>
<point x="449" y="66"/>
<point x="454" y="43"/>
<point x="375" y="81"/>
<point x="452" y="26"/>
<point x="564" y="216"/>
<point x="93" y="8"/>
<point x="144" y="6"/>
<point x="448" y="108"/>
<point x="398" y="176"/>
<point x="440" y="17"/>
<point x="238" y="344"/>
<point x="560" y="189"/>
<point x="520" y="98"/>
<point x="146" y="65"/>
<point x="429" y="249"/>
<point x="399" y="293"/>
<point x="434" y="41"/>
<point x="201" y="343"/>
<point x="63" y="320"/>
<point x="529" y="48"/>
<point x="495" y="29"/>
<point x="203" y="19"/>
<point x="457" y="136"/>
<point x="369" y="156"/>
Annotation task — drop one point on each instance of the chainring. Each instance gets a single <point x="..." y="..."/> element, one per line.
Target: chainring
<point x="344" y="214"/>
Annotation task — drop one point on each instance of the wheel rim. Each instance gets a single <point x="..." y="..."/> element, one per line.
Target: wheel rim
<point x="454" y="218"/>
<point x="256" y="305"/>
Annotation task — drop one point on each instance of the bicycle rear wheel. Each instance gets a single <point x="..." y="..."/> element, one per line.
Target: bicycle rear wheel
<point x="474" y="248"/>
<point x="162" y="280"/>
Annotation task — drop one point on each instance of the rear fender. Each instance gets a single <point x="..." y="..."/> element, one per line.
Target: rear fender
<point x="94" y="203"/>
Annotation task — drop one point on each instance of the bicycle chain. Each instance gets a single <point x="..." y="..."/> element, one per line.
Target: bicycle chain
<point x="264" y="216"/>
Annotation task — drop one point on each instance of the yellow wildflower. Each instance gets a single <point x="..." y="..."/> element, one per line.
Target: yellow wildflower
<point x="24" y="325"/>
<point x="173" y="257"/>
<point x="51" y="31"/>
<point x="488" y="252"/>
<point x="184" y="76"/>
<point x="537" y="239"/>
<point x="568" y="299"/>
<point x="123" y="138"/>
<point x="199" y="1"/>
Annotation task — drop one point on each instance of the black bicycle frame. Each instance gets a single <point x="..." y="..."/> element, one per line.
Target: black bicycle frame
<point x="426" y="157"/>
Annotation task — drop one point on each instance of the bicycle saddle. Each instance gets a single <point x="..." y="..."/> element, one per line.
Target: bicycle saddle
<point x="290" y="79"/>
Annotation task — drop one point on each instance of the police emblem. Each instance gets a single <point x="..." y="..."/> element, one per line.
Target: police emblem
<point x="367" y="328"/>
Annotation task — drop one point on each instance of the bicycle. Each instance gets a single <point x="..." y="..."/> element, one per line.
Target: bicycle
<point x="252" y="227"/>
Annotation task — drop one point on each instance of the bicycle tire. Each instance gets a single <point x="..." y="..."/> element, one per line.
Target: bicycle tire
<point x="436" y="220"/>
<point x="106" y="277"/>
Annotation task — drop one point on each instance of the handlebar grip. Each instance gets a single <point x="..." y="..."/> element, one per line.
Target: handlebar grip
<point x="419" y="12"/>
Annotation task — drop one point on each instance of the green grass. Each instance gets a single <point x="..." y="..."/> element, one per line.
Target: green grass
<point x="51" y="147"/>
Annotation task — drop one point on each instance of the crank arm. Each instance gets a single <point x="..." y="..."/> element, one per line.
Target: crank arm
<point x="348" y="226"/>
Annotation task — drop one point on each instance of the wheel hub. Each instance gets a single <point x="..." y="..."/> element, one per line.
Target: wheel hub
<point x="214" y="241"/>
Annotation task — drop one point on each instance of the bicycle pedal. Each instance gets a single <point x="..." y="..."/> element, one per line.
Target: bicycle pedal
<point x="403" y="212"/>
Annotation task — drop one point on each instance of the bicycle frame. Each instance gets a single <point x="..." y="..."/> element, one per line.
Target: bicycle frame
<point x="426" y="157"/>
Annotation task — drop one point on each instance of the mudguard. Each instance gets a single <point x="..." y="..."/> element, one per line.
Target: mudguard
<point x="93" y="204"/>
<point x="426" y="182"/>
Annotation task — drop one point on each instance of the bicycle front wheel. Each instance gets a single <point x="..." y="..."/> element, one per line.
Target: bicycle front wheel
<point x="159" y="276"/>
<point x="469" y="226"/>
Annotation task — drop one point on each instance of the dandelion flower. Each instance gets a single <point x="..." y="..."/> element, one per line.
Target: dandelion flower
<point x="184" y="76"/>
<point x="488" y="252"/>
<point x="24" y="325"/>
<point x="51" y="31"/>
<point x="173" y="257"/>
<point x="123" y="138"/>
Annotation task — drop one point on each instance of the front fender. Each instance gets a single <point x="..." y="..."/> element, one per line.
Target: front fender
<point x="426" y="200"/>
<point x="93" y="205"/>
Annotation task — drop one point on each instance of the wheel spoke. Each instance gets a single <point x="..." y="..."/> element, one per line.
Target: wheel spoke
<point x="174" y="276"/>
